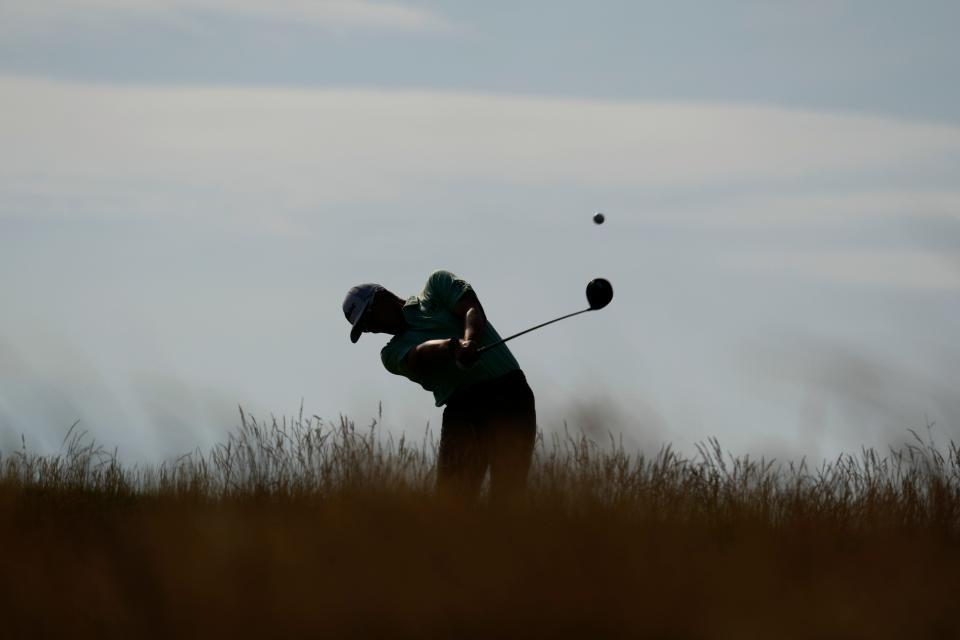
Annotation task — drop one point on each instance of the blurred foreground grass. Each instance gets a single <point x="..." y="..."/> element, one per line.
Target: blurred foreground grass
<point x="307" y="528"/>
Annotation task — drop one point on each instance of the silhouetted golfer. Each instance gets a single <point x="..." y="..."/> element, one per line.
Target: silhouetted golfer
<point x="490" y="419"/>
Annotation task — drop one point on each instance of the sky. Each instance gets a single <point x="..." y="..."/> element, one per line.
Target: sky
<point x="189" y="187"/>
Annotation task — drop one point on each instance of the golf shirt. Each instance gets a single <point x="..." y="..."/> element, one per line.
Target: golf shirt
<point x="430" y="316"/>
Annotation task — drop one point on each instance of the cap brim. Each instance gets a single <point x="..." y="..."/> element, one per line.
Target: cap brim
<point x="357" y="328"/>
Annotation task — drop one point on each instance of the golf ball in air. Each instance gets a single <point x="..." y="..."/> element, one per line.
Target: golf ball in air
<point x="598" y="218"/>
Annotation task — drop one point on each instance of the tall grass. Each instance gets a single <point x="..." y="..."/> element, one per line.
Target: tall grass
<point x="301" y="525"/>
<point x="305" y="457"/>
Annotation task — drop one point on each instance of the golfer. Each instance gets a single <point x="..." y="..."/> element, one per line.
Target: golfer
<point x="490" y="419"/>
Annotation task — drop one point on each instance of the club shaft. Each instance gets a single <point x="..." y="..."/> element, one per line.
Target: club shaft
<point x="497" y="344"/>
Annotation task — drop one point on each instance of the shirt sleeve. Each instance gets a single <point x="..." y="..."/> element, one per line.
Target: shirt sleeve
<point x="393" y="355"/>
<point x="443" y="289"/>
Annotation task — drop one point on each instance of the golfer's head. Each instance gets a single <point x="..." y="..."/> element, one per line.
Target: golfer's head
<point x="362" y="311"/>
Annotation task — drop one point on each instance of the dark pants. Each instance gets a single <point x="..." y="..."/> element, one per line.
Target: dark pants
<point x="490" y="424"/>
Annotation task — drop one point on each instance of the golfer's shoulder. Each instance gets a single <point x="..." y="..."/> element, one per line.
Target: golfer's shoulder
<point x="441" y="277"/>
<point x="443" y="281"/>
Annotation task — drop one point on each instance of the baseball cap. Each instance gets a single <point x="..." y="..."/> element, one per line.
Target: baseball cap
<point x="356" y="303"/>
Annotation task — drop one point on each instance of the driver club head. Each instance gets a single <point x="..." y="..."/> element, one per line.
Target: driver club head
<point x="599" y="293"/>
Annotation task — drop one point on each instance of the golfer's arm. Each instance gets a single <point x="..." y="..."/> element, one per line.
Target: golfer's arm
<point x="435" y="352"/>
<point x="427" y="354"/>
<point x="469" y="310"/>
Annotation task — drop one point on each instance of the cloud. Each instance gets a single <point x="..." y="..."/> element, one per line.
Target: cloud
<point x="18" y="17"/>
<point x="187" y="415"/>
<point x="41" y="397"/>
<point x="875" y="397"/>
<point x="915" y="269"/>
<point x="827" y="209"/>
<point x="47" y="384"/>
<point x="304" y="147"/>
<point x="356" y="164"/>
<point x="267" y="157"/>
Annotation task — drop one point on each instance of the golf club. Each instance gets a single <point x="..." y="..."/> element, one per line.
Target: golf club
<point x="599" y="295"/>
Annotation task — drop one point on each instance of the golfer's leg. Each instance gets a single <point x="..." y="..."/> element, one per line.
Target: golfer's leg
<point x="460" y="461"/>
<point x="513" y="433"/>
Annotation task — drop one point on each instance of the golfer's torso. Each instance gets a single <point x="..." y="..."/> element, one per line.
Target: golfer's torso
<point x="429" y="323"/>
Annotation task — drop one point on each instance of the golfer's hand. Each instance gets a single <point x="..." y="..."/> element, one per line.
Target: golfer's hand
<point x="465" y="353"/>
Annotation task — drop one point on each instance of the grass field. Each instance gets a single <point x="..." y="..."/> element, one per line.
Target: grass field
<point x="325" y="530"/>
